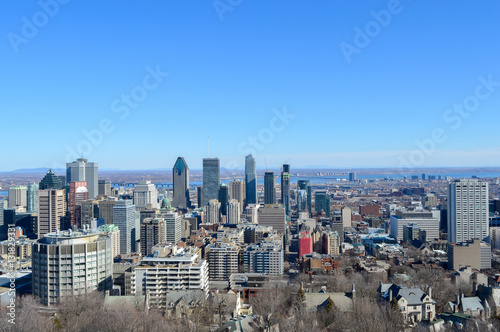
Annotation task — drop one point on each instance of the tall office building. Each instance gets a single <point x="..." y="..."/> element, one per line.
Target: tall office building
<point x="212" y="212"/>
<point x="173" y="222"/>
<point x="233" y="212"/>
<point x="51" y="209"/>
<point x="82" y="262"/>
<point x="274" y="216"/>
<point x="223" y="198"/>
<point x="211" y="179"/>
<point x="250" y="180"/>
<point x="199" y="194"/>
<point x="104" y="187"/>
<point x="352" y="176"/>
<point x="82" y="170"/>
<point x="306" y="185"/>
<point x="106" y="210"/>
<point x="50" y="181"/>
<point x="124" y="218"/>
<point x="322" y="202"/>
<point x="77" y="194"/>
<point x="468" y="210"/>
<point x="89" y="212"/>
<point x="32" y="198"/>
<point x="301" y="200"/>
<point x="269" y="188"/>
<point x="18" y="198"/>
<point x="146" y="196"/>
<point x="181" y="184"/>
<point x="285" y="188"/>
<point x="3" y="225"/>
<point x="152" y="233"/>
<point x="237" y="192"/>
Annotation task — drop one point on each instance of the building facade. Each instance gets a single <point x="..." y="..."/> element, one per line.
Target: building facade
<point x="250" y="180"/>
<point x="211" y="179"/>
<point x="124" y="219"/>
<point x="82" y="170"/>
<point x="180" y="177"/>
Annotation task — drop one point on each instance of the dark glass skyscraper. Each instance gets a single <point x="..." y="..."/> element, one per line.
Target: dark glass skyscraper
<point x="322" y="202"/>
<point x="50" y="181"/>
<point x="285" y="188"/>
<point x="306" y="185"/>
<point x="181" y="184"/>
<point x="250" y="180"/>
<point x="269" y="188"/>
<point x="211" y="179"/>
<point x="223" y="198"/>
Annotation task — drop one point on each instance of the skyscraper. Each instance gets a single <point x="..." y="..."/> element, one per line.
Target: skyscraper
<point x="145" y="196"/>
<point x="173" y="222"/>
<point x="181" y="184"/>
<point x="468" y="210"/>
<point x="152" y="233"/>
<point x="233" y="212"/>
<point x="352" y="176"/>
<point x="199" y="195"/>
<point x="77" y="194"/>
<point x="104" y="187"/>
<point x="124" y="218"/>
<point x="32" y="198"/>
<point x="51" y="209"/>
<point x="50" y="181"/>
<point x="17" y="198"/>
<point x="250" y="180"/>
<point x="285" y="188"/>
<point x="322" y="202"/>
<point x="306" y="185"/>
<point x="82" y="170"/>
<point x="211" y="179"/>
<point x="237" y="192"/>
<point x="269" y="188"/>
<point x="223" y="198"/>
<point x="212" y="212"/>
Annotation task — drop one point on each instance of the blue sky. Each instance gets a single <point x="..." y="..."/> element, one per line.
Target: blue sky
<point x="228" y="78"/>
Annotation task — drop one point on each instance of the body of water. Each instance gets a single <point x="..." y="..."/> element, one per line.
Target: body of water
<point x="339" y="178"/>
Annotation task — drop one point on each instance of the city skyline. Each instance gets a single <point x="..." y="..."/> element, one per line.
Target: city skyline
<point x="387" y="93"/>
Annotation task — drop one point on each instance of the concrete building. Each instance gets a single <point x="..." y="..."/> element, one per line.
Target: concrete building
<point x="266" y="258"/>
<point x="237" y="192"/>
<point x="104" y="187"/>
<point x="124" y="219"/>
<point x="468" y="210"/>
<point x="146" y="196"/>
<point x="222" y="260"/>
<point x="113" y="232"/>
<point x="106" y="210"/>
<point x="173" y="222"/>
<point x="82" y="170"/>
<point x="331" y="243"/>
<point x="18" y="198"/>
<point x="427" y="221"/>
<point x="252" y="213"/>
<point x="233" y="212"/>
<point x="162" y="273"/>
<point x="152" y="233"/>
<point x="51" y="209"/>
<point x="273" y="215"/>
<point x="70" y="263"/>
<point x="89" y="211"/>
<point x="475" y="254"/>
<point x="250" y="180"/>
<point x="211" y="179"/>
<point x="180" y="173"/>
<point x="495" y="237"/>
<point x="212" y="212"/>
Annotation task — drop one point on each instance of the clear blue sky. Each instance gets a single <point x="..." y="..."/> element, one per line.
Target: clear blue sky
<point x="227" y="76"/>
